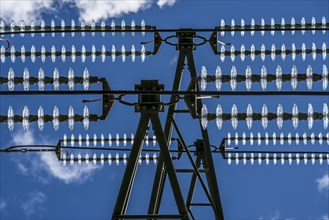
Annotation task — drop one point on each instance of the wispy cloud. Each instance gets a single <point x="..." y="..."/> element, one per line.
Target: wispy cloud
<point x="276" y="216"/>
<point x="173" y="60"/>
<point x="3" y="204"/>
<point x="22" y="169"/>
<point x="325" y="217"/>
<point x="45" y="166"/>
<point x="323" y="183"/>
<point x="34" y="203"/>
<point x="87" y="9"/>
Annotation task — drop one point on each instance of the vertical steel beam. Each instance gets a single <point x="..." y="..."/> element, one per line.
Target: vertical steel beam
<point x="211" y="174"/>
<point x="182" y="209"/>
<point x="130" y="172"/>
<point x="125" y="206"/>
<point x="192" y="184"/>
<point x="160" y="175"/>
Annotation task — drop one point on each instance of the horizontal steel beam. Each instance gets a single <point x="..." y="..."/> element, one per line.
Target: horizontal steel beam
<point x="189" y="170"/>
<point x="200" y="204"/>
<point x="152" y="216"/>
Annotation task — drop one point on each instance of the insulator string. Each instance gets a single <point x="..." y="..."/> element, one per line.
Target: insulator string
<point x="270" y="52"/>
<point x="280" y="116"/>
<point x="278" y="138"/>
<point x="199" y="93"/>
<point x="87" y="28"/>
<point x="78" y="53"/>
<point x="106" y="139"/>
<point x="109" y="28"/>
<point x="49" y="118"/>
<point x="98" y="159"/>
<point x="278" y="157"/>
<point x="117" y="159"/>
<point x="50" y="80"/>
<point x="270" y="78"/>
<point x="227" y="28"/>
<point x="270" y="116"/>
<point x="275" y="27"/>
<point x="279" y="77"/>
<point x="260" y="156"/>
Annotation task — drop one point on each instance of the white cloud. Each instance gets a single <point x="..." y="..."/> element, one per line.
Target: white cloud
<point x="67" y="174"/>
<point x="44" y="166"/>
<point x="325" y="217"/>
<point x="106" y="9"/>
<point x="34" y="203"/>
<point x="162" y="3"/>
<point x="3" y="204"/>
<point x="88" y="9"/>
<point x="23" y="138"/>
<point x="28" y="10"/>
<point x="323" y="183"/>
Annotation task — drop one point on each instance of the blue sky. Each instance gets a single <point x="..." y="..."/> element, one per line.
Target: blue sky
<point x="38" y="187"/>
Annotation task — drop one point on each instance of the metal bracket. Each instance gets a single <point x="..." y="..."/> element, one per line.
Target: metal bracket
<point x="222" y="147"/>
<point x="149" y="102"/>
<point x="213" y="41"/>
<point x="186" y="39"/>
<point x="191" y="101"/>
<point x="199" y="145"/>
<point x="157" y="42"/>
<point x="107" y="100"/>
